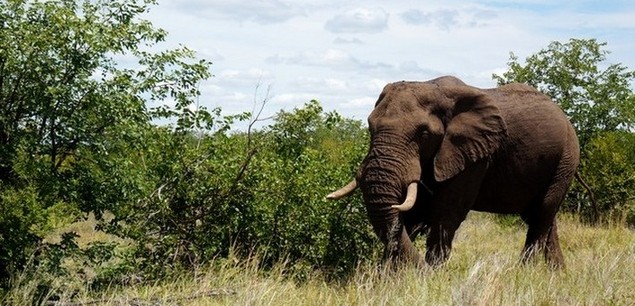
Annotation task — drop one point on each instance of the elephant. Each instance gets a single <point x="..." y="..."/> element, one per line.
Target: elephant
<point x="441" y="148"/>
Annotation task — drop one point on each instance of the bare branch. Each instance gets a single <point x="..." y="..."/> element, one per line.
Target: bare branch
<point x="249" y="150"/>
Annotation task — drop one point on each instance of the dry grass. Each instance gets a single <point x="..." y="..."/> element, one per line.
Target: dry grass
<point x="483" y="270"/>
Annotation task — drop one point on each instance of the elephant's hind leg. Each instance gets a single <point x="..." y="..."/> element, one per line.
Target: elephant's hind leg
<point x="542" y="232"/>
<point x="553" y="253"/>
<point x="542" y="236"/>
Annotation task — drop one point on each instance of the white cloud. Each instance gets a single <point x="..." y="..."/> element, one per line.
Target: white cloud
<point x="344" y="41"/>
<point x="293" y="99"/>
<point x="210" y="53"/>
<point x="363" y="102"/>
<point x="262" y="12"/>
<point x="336" y="84"/>
<point x="344" y="55"/>
<point x="376" y="85"/>
<point x="315" y="85"/>
<point x="444" y="18"/>
<point x="447" y="19"/>
<point x="359" y="20"/>
<point x="252" y="74"/>
<point x="334" y="58"/>
<point x="339" y="60"/>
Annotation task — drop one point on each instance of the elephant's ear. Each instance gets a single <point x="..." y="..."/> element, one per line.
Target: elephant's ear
<point x="474" y="132"/>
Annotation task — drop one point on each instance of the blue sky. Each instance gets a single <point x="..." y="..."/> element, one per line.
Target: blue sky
<point x="343" y="53"/>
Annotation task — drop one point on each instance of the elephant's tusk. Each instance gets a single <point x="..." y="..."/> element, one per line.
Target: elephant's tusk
<point x="344" y="191"/>
<point x="411" y="197"/>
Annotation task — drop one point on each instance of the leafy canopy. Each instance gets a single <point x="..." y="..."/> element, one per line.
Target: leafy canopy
<point x="75" y="81"/>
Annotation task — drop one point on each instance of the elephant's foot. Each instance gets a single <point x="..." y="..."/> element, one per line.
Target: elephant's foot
<point x="543" y="239"/>
<point x="553" y="256"/>
<point x="437" y="256"/>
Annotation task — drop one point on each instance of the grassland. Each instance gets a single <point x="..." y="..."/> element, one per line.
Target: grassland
<point x="483" y="270"/>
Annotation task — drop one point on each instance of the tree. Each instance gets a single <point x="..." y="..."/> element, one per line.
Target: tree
<point x="66" y="103"/>
<point x="598" y="99"/>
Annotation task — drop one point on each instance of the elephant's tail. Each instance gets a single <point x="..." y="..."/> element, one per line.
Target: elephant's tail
<point x="596" y="213"/>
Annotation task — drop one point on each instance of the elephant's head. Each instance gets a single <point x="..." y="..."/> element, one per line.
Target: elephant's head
<point x="439" y="128"/>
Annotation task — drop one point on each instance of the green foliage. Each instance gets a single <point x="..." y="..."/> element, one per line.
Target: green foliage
<point x="610" y="169"/>
<point x="310" y="155"/>
<point x="217" y="194"/>
<point x="599" y="100"/>
<point x="70" y="115"/>
<point x="18" y="212"/>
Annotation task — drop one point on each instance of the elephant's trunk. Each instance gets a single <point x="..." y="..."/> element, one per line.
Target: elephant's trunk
<point x="389" y="228"/>
<point x="387" y="172"/>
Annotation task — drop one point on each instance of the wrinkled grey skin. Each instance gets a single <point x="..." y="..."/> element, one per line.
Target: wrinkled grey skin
<point x="508" y="150"/>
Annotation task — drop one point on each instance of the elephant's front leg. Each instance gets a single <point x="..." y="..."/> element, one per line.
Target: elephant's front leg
<point x="439" y="242"/>
<point x="452" y="201"/>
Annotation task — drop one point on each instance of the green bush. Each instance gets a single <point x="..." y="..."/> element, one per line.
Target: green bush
<point x="217" y="192"/>
<point x="609" y="169"/>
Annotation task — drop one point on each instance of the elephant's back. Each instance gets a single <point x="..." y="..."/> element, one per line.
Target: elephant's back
<point x="532" y="118"/>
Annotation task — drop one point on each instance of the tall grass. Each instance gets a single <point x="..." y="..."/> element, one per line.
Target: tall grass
<point x="483" y="270"/>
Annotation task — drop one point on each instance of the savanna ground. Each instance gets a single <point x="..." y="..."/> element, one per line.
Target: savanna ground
<point x="483" y="270"/>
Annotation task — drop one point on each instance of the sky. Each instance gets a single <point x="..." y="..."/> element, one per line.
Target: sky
<point x="342" y="53"/>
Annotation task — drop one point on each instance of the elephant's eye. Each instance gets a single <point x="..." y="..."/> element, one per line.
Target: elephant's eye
<point x="422" y="127"/>
<point x="422" y="131"/>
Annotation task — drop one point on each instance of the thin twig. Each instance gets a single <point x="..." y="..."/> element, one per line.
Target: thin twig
<point x="249" y="150"/>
